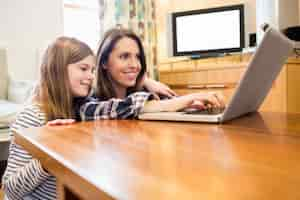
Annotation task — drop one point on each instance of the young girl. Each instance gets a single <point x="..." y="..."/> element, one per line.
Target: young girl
<point x="121" y="66"/>
<point x="66" y="77"/>
<point x="66" y="73"/>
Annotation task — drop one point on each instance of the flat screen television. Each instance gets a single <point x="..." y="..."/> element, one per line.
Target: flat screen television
<point x="208" y="31"/>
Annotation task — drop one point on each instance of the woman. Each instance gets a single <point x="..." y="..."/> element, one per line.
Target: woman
<point x="121" y="66"/>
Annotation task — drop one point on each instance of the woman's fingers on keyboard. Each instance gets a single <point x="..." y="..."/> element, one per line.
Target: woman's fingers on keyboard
<point x="220" y="99"/>
<point x="207" y="100"/>
<point x="198" y="105"/>
<point x="211" y="101"/>
<point x="216" y="99"/>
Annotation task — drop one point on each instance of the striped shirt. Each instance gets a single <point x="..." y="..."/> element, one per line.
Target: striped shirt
<point x="25" y="177"/>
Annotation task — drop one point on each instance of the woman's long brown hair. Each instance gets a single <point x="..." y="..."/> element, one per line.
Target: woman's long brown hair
<point x="53" y="91"/>
<point x="104" y="88"/>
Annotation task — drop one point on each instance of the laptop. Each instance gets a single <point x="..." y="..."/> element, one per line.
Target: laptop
<point x="253" y="87"/>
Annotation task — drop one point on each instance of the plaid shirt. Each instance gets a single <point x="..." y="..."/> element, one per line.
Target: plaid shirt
<point x="92" y="108"/>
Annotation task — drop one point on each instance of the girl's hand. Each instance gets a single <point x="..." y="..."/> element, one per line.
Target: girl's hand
<point x="158" y="88"/>
<point x="58" y="122"/>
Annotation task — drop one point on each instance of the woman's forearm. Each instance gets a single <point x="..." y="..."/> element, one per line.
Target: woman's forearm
<point x="126" y="108"/>
<point x="195" y="100"/>
<point x="168" y="105"/>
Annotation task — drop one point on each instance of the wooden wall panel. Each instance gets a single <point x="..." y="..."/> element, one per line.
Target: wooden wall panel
<point x="223" y="74"/>
<point x="293" y="92"/>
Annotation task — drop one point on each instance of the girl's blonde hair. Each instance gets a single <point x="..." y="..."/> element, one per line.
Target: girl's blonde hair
<point x="53" y="91"/>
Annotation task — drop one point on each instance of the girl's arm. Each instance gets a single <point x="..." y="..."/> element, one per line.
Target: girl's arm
<point x="23" y="173"/>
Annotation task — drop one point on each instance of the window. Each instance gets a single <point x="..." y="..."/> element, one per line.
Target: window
<point x="81" y="20"/>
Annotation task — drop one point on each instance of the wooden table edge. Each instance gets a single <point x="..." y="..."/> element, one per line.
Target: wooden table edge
<point x="58" y="169"/>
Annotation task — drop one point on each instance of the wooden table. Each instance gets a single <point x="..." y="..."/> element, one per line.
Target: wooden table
<point x="254" y="157"/>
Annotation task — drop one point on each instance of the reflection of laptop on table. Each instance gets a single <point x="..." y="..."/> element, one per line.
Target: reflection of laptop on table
<point x="255" y="84"/>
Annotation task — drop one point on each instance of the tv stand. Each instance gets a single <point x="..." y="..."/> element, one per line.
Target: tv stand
<point x="206" y="55"/>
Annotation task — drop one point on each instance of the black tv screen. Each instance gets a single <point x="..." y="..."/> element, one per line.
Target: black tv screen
<point x="213" y="30"/>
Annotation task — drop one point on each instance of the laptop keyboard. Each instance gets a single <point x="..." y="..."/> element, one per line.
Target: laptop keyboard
<point x="209" y="111"/>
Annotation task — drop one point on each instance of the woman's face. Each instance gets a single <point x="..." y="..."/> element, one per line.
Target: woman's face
<point x="124" y="63"/>
<point x="81" y="76"/>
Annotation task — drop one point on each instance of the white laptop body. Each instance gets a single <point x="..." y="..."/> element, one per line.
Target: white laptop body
<point x="252" y="89"/>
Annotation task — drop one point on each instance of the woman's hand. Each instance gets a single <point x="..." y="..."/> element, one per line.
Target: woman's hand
<point x="199" y="101"/>
<point x="58" y="122"/>
<point x="158" y="88"/>
<point x="204" y="101"/>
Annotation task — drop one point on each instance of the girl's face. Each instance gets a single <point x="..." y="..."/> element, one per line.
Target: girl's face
<point x="124" y="63"/>
<point x="81" y="76"/>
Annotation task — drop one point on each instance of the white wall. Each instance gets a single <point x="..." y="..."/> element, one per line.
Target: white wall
<point x="290" y="13"/>
<point x="278" y="13"/>
<point x="27" y="27"/>
<point x="298" y="11"/>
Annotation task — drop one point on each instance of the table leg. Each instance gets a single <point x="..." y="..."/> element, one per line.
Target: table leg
<point x="63" y="193"/>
